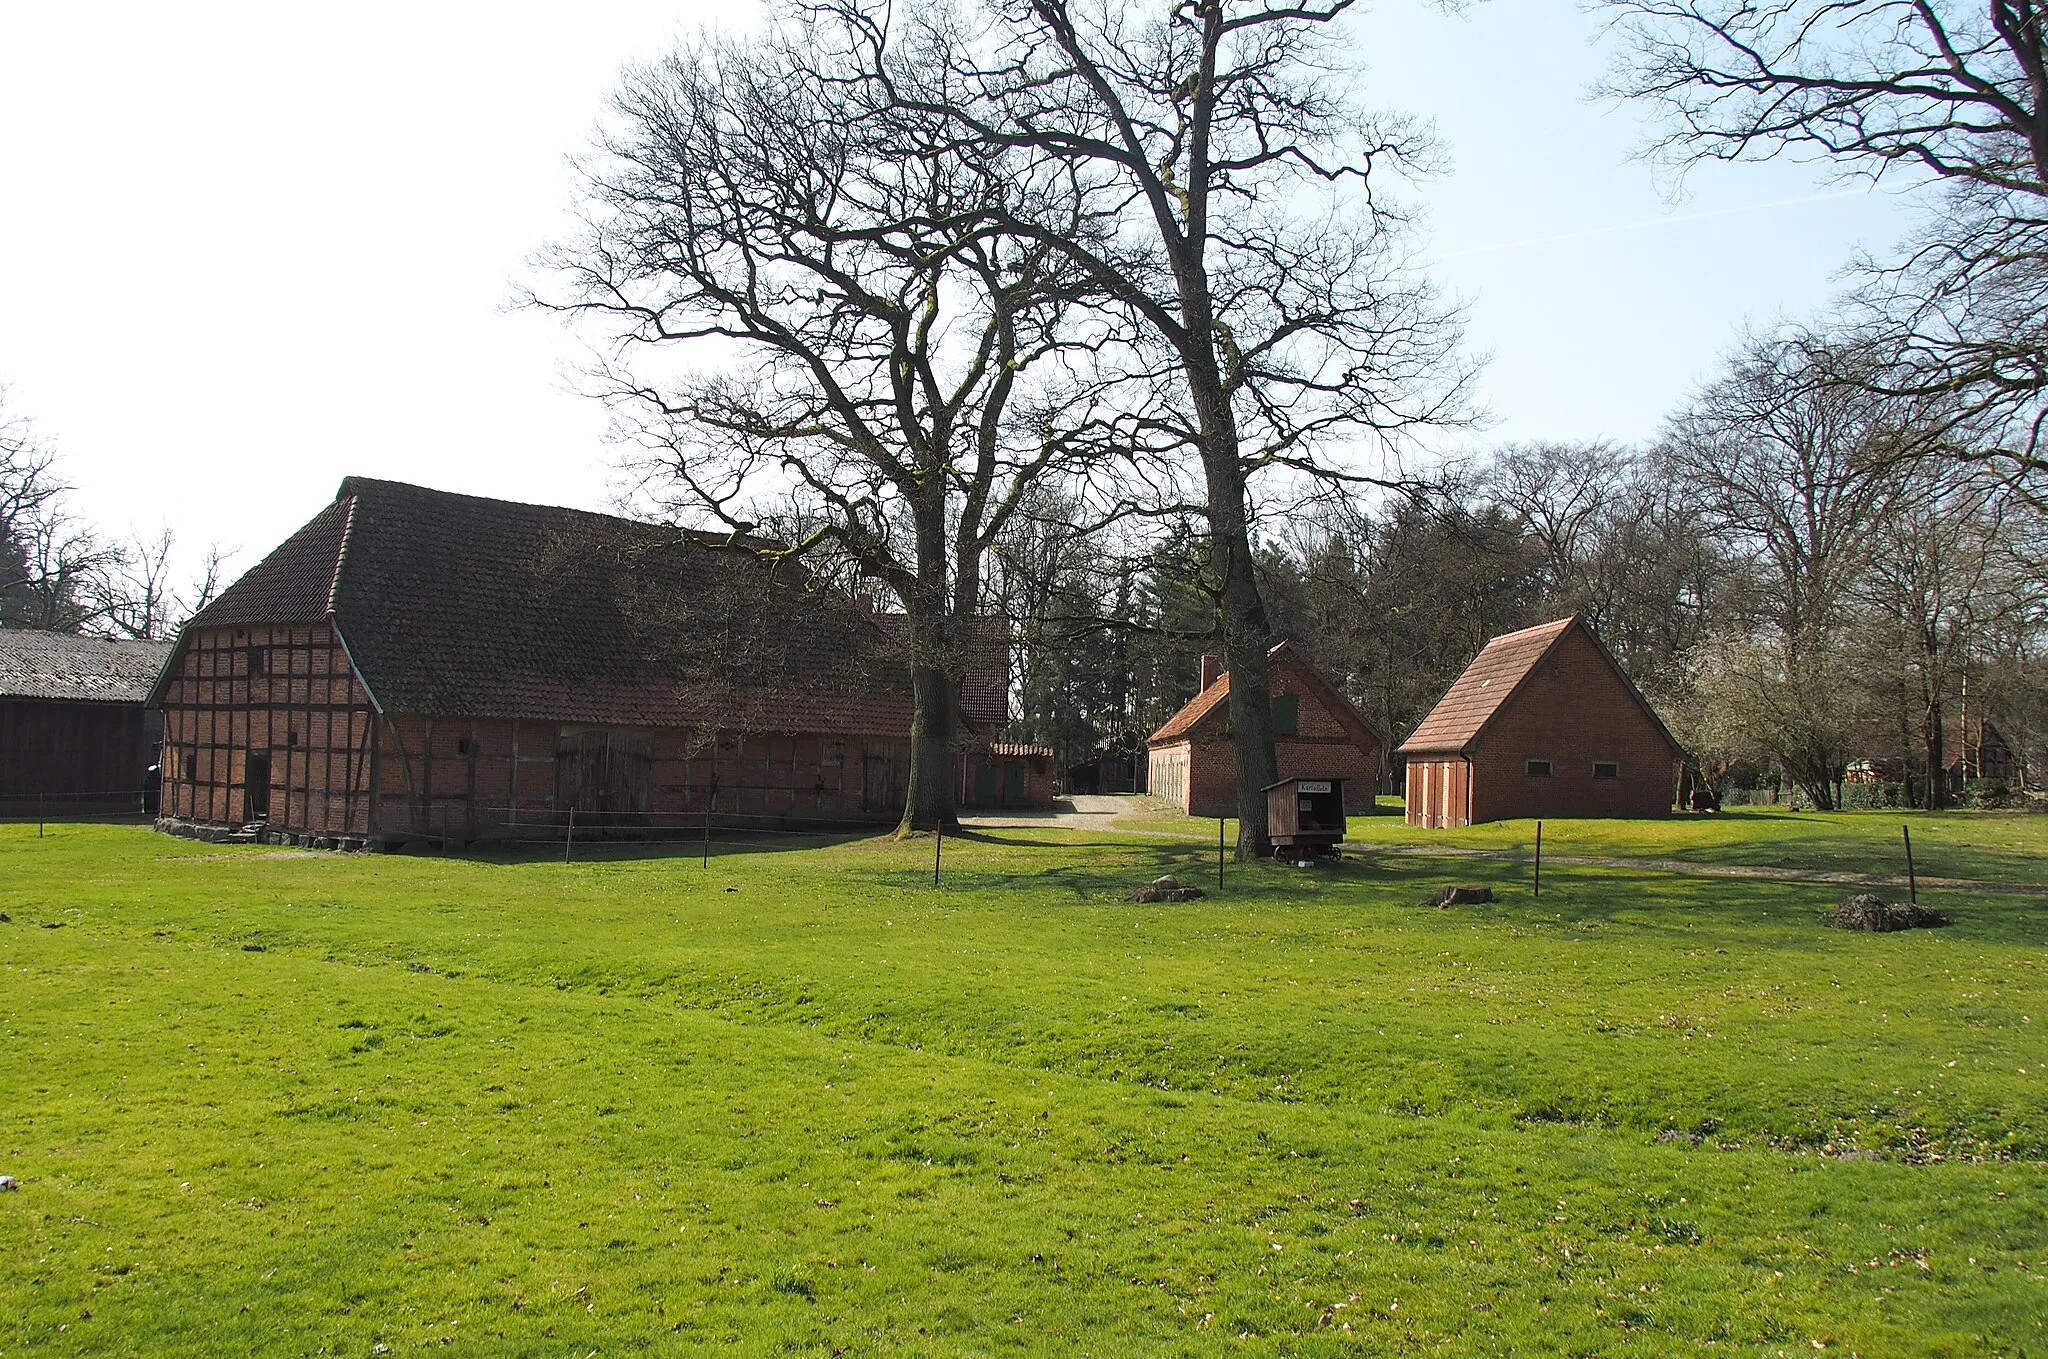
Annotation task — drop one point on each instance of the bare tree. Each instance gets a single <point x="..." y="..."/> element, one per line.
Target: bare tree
<point x="1240" y="236"/>
<point x="865" y="353"/>
<point x="1798" y="471"/>
<point x="1950" y="91"/>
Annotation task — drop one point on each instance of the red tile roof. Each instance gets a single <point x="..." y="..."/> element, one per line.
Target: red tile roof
<point x="1216" y="697"/>
<point x="1494" y="676"/>
<point x="1478" y="694"/>
<point x="1198" y="707"/>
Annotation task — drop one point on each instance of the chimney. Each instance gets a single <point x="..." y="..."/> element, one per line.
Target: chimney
<point x="1212" y="667"/>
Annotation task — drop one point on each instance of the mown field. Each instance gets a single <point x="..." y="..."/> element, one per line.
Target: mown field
<point x="802" y="1102"/>
<point x="1989" y="846"/>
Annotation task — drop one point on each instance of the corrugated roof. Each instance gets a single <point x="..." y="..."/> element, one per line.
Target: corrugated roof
<point x="62" y="665"/>
<point x="463" y="606"/>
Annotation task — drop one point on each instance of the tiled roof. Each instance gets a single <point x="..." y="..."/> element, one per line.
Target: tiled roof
<point x="1217" y="696"/>
<point x="1478" y="694"/>
<point x="1011" y="748"/>
<point x="1197" y="708"/>
<point x="461" y="606"/>
<point x="1492" y="679"/>
<point x="985" y="688"/>
<point x="62" y="665"/>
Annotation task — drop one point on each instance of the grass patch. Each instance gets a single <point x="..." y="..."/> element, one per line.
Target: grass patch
<point x="801" y="1102"/>
<point x="1980" y="845"/>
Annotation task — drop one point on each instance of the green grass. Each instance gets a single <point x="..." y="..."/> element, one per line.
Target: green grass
<point x="803" y="1103"/>
<point x="1986" y="846"/>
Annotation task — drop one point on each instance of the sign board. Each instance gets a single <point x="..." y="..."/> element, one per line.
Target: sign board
<point x="1312" y="785"/>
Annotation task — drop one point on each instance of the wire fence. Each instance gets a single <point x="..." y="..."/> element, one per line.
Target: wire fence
<point x="117" y="806"/>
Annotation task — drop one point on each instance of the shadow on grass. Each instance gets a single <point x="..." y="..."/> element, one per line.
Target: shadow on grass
<point x="593" y="851"/>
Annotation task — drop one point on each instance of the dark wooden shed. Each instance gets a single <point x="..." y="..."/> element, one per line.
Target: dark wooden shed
<point x="76" y="735"/>
<point x="1305" y="816"/>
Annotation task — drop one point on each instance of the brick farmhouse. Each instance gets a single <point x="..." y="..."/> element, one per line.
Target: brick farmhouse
<point x="1317" y="734"/>
<point x="414" y="665"/>
<point x="1543" y="723"/>
<point x="75" y="734"/>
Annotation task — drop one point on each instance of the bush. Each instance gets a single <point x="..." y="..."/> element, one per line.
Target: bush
<point x="1996" y="793"/>
<point x="1868" y="797"/>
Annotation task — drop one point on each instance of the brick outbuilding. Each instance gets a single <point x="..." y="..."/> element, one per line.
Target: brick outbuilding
<point x="1542" y="723"/>
<point x="417" y="665"/>
<point x="1317" y="734"/>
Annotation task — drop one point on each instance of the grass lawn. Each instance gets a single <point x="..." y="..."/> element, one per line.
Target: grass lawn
<point x="1987" y="846"/>
<point x="801" y="1102"/>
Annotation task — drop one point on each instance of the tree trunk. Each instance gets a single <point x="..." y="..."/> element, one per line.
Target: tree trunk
<point x="1241" y="614"/>
<point x="928" y="801"/>
<point x="1937" y="757"/>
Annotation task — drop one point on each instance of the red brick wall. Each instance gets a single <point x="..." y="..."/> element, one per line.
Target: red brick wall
<point x="1201" y="775"/>
<point x="1574" y="710"/>
<point x="430" y="785"/>
<point x="337" y="769"/>
<point x="289" y="693"/>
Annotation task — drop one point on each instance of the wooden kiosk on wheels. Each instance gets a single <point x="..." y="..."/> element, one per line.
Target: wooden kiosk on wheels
<point x="1305" y="817"/>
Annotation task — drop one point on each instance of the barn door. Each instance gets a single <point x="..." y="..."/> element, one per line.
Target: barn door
<point x="1013" y="783"/>
<point x="603" y="773"/>
<point x="256" y="786"/>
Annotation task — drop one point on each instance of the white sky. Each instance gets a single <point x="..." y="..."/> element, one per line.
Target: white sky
<point x="249" y="248"/>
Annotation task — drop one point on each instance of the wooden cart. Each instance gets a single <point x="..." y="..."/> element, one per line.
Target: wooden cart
<point x="1305" y="817"/>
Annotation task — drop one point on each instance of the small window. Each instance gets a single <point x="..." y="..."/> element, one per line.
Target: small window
<point x="291" y="738"/>
<point x="1539" y="769"/>
<point x="1606" y="769"/>
<point x="832" y="755"/>
<point x="465" y="747"/>
<point x="259" y="661"/>
<point x="1286" y="714"/>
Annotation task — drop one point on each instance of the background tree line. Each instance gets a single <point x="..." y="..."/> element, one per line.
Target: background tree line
<point x="61" y="573"/>
<point x="1792" y="573"/>
<point x="1105" y="318"/>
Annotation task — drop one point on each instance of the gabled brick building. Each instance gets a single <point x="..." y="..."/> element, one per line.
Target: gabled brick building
<point x="1317" y="734"/>
<point x="417" y="665"/>
<point x="1542" y="723"/>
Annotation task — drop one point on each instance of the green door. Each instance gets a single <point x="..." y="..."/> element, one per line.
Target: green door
<point x="984" y="784"/>
<point x="1013" y="783"/>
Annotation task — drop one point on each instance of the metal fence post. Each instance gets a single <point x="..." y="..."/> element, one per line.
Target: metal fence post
<point x="1539" y="860"/>
<point x="569" y="841"/>
<point x="938" y="847"/>
<point x="1219" y="853"/>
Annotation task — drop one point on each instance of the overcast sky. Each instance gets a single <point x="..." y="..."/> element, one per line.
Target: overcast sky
<point x="249" y="249"/>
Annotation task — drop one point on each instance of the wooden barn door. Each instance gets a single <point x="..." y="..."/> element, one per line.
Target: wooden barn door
<point x="881" y="785"/>
<point x="604" y="774"/>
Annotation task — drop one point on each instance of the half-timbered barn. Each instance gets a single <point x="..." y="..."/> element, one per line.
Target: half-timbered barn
<point x="76" y="734"/>
<point x="414" y="665"/>
<point x="1317" y="734"/>
<point x="1542" y="723"/>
